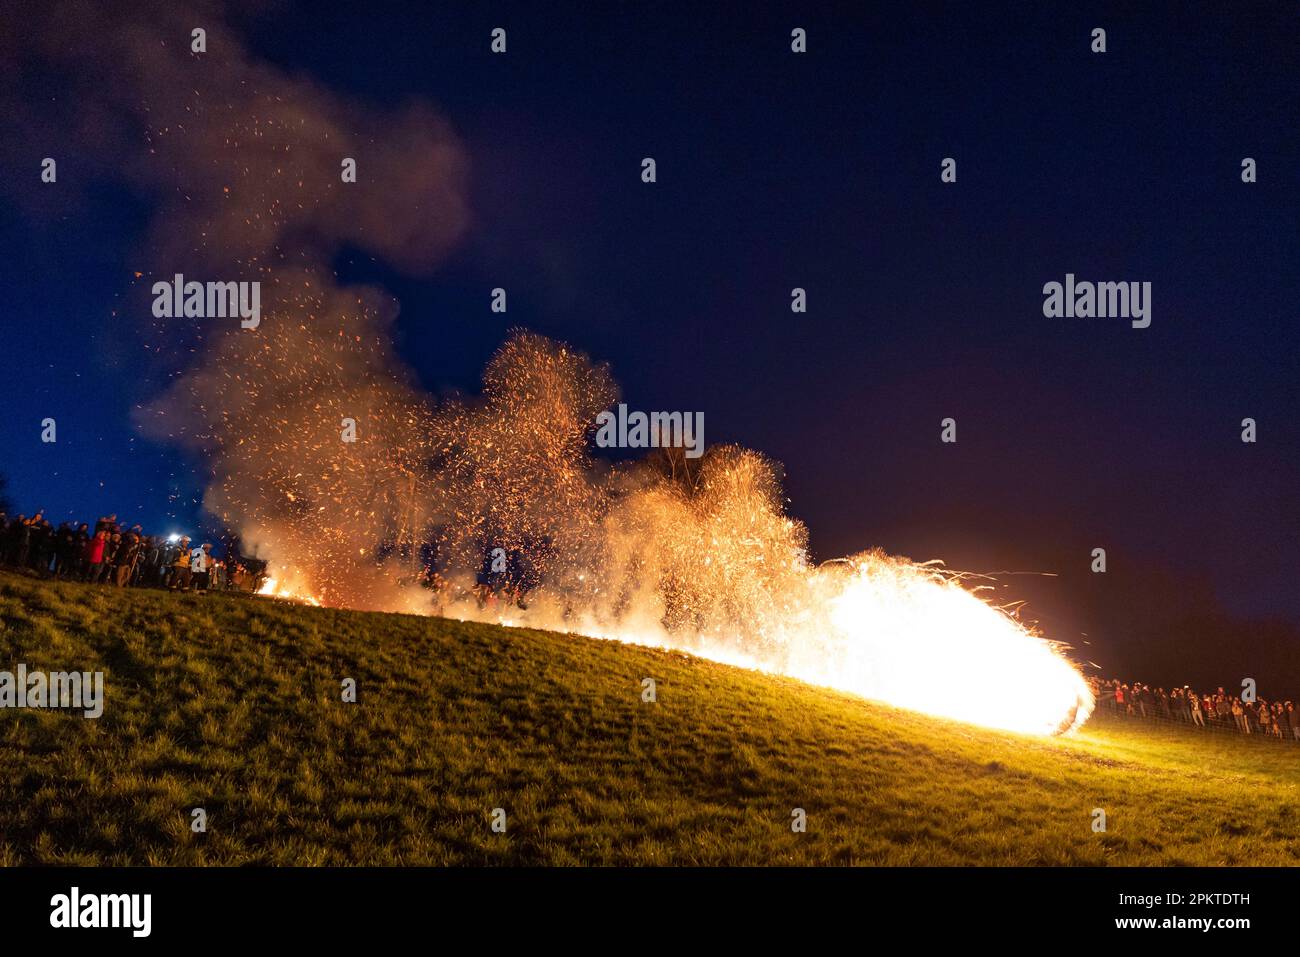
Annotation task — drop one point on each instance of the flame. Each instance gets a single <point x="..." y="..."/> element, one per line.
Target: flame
<point x="663" y="551"/>
<point x="273" y="588"/>
<point x="907" y="634"/>
<point x="913" y="636"/>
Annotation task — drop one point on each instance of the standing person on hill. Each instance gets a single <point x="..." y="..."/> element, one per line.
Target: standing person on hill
<point x="111" y="545"/>
<point x="36" y="540"/>
<point x="1239" y="716"/>
<point x="80" y="541"/>
<point x="199" y="566"/>
<point x="166" y="563"/>
<point x="146" y="568"/>
<point x="95" y="556"/>
<point x="45" y="547"/>
<point x="181" y="573"/>
<point x="124" y="561"/>
<point x="21" y="541"/>
<point x="63" y="543"/>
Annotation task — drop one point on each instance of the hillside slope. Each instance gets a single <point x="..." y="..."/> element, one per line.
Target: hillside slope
<point x="233" y="704"/>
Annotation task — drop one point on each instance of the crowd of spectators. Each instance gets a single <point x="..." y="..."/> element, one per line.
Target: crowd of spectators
<point x="1240" y="714"/>
<point x="111" y="553"/>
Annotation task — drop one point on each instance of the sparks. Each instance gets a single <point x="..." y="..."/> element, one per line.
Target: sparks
<point x="689" y="553"/>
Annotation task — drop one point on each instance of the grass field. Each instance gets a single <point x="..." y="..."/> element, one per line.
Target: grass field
<point x="233" y="704"/>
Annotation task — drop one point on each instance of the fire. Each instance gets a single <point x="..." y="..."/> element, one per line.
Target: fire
<point x="273" y="588"/>
<point x="913" y="636"/>
<point x="906" y="634"/>
<point x="694" y="554"/>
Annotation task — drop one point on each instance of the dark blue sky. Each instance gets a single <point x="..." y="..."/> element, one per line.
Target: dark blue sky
<point x="820" y="170"/>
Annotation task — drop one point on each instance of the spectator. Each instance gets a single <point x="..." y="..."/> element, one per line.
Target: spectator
<point x="125" y="556"/>
<point x="63" y="545"/>
<point x="1239" y="716"/>
<point x="124" y="562"/>
<point x="21" y="537"/>
<point x="43" y="546"/>
<point x="80" y="539"/>
<point x="1222" y="707"/>
<point x="111" y="545"/>
<point x="95" y="555"/>
<point x="181" y="568"/>
<point x="167" y="564"/>
<point x="199" y="566"/>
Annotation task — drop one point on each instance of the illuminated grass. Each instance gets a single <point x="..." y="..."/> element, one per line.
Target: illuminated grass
<point x="232" y="704"/>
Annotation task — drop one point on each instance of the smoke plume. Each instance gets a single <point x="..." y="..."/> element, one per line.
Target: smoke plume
<point x="500" y="493"/>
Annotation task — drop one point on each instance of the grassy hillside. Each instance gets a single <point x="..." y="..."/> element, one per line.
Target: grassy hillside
<point x="233" y="704"/>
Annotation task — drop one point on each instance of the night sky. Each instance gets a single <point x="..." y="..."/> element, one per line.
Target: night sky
<point x="821" y="171"/>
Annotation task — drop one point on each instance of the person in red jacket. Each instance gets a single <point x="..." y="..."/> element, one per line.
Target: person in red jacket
<point x="95" y="555"/>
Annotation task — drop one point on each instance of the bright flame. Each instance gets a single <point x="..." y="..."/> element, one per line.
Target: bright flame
<point x="912" y="636"/>
<point x="273" y="588"/>
<point x="887" y="629"/>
